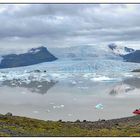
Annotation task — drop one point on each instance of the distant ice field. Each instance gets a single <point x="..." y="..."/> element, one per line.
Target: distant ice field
<point x="94" y="70"/>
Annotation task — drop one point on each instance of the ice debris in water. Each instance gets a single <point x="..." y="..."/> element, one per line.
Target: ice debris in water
<point x="13" y="84"/>
<point x="61" y="105"/>
<point x="94" y="70"/>
<point x="48" y="110"/>
<point x="39" y="86"/>
<point x="99" y="106"/>
<point x="58" y="106"/>
<point x="74" y="82"/>
<point x="24" y="76"/>
<point x="101" y="78"/>
<point x="84" y="88"/>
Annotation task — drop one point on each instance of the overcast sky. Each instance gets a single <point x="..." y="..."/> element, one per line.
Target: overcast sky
<point x="23" y="26"/>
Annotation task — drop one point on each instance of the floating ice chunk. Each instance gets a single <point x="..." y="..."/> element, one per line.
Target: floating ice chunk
<point x="101" y="78"/>
<point x="58" y="106"/>
<point x="13" y="84"/>
<point x="74" y="82"/>
<point x="54" y="107"/>
<point x="128" y="75"/>
<point x="48" y="110"/>
<point x="83" y="87"/>
<point x="99" y="106"/>
<point x="39" y="86"/>
<point x="62" y="106"/>
<point x="87" y="75"/>
<point x="55" y="75"/>
<point x="25" y="71"/>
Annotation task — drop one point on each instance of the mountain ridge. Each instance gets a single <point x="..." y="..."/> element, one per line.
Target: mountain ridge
<point x="33" y="56"/>
<point x="81" y="52"/>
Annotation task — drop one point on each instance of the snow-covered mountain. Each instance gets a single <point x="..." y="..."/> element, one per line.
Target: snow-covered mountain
<point x="96" y="57"/>
<point x="84" y="52"/>
<point x="120" y="50"/>
<point x="74" y="64"/>
<point x="88" y="62"/>
<point x="128" y="54"/>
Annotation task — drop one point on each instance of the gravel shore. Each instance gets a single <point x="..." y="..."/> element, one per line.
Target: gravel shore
<point x="21" y="126"/>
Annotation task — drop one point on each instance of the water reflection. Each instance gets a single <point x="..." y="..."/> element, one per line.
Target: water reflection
<point x="125" y="86"/>
<point x="134" y="82"/>
<point x="41" y="87"/>
<point x="121" y="88"/>
<point x="70" y="99"/>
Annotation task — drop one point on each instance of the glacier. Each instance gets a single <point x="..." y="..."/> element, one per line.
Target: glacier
<point x="95" y="70"/>
<point x="69" y="88"/>
<point x="87" y="62"/>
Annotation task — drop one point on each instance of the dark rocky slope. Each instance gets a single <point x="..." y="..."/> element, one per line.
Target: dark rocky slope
<point x="133" y="57"/>
<point x="33" y="56"/>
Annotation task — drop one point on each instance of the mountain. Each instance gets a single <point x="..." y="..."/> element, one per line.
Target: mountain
<point x="33" y="56"/>
<point x="128" y="54"/>
<point x="120" y="50"/>
<point x="84" y="52"/>
<point x="133" y="57"/>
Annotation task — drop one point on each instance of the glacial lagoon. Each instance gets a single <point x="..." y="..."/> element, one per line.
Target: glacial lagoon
<point x="72" y="98"/>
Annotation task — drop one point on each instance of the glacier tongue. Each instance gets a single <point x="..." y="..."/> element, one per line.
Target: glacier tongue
<point x="94" y="70"/>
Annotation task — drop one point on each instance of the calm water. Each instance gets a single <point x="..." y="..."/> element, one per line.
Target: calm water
<point x="71" y="99"/>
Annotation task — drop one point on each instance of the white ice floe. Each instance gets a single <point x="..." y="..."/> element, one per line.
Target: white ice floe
<point x="99" y="106"/>
<point x="83" y="88"/>
<point x="94" y="70"/>
<point x="61" y="105"/>
<point x="39" y="86"/>
<point x="101" y="78"/>
<point x="128" y="75"/>
<point x="88" y="75"/>
<point x="54" y="107"/>
<point x="48" y="110"/>
<point x="25" y="77"/>
<point x="74" y="82"/>
<point x="58" y="106"/>
<point x="13" y="84"/>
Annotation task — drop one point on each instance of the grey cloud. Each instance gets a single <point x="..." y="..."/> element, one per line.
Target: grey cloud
<point x="65" y="24"/>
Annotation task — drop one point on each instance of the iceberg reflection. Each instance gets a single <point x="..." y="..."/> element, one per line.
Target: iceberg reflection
<point x="41" y="87"/>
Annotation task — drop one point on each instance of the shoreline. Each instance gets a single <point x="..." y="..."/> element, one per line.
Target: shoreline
<point x="22" y="126"/>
